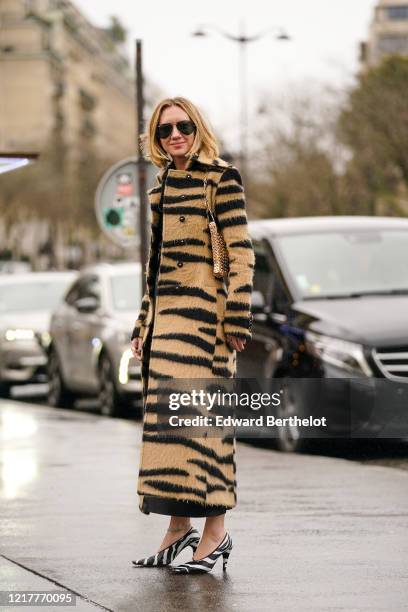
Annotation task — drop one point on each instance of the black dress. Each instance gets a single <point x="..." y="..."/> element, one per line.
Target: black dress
<point x="153" y="503"/>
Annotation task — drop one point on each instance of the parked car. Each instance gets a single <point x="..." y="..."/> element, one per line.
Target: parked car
<point x="26" y="302"/>
<point x="330" y="300"/>
<point x="89" y="351"/>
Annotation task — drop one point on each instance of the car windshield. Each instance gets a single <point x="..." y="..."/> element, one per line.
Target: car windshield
<point x="32" y="295"/>
<point x="347" y="263"/>
<point x="126" y="292"/>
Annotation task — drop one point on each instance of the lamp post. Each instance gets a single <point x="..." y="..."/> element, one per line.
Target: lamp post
<point x="139" y="98"/>
<point x="242" y="39"/>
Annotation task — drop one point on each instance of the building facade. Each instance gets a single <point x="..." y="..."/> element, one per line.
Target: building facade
<point x="62" y="78"/>
<point x="388" y="33"/>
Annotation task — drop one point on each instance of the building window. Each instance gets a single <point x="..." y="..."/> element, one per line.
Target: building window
<point x="397" y="13"/>
<point x="86" y="101"/>
<point x="88" y="129"/>
<point x="393" y="44"/>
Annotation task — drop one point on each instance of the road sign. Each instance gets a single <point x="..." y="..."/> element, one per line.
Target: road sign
<point x="117" y="202"/>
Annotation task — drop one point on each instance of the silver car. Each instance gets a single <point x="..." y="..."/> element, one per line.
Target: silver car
<point x="89" y="349"/>
<point x="26" y="302"/>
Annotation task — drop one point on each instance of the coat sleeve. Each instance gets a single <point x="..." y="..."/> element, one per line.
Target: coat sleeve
<point x="142" y="316"/>
<point x="149" y="273"/>
<point x="232" y="219"/>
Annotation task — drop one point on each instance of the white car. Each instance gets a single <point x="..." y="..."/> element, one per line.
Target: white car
<point x="26" y="303"/>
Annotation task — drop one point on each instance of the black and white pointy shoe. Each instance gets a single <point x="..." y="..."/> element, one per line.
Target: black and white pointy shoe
<point x="207" y="563"/>
<point x="167" y="555"/>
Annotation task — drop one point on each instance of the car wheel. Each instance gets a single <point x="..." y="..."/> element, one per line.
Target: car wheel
<point x="110" y="401"/>
<point x="289" y="436"/>
<point x="58" y="395"/>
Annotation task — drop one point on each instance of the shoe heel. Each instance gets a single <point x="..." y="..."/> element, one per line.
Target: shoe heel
<point x="194" y="544"/>
<point x="225" y="557"/>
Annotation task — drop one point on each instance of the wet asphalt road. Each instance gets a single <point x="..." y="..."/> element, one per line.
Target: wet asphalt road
<point x="310" y="532"/>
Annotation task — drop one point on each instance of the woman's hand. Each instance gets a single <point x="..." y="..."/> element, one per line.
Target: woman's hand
<point x="136" y="347"/>
<point x="237" y="343"/>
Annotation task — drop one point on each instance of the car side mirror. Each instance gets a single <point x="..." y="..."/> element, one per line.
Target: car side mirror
<point x="87" y="304"/>
<point x="257" y="303"/>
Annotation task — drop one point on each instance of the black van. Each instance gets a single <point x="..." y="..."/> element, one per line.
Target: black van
<point x="330" y="300"/>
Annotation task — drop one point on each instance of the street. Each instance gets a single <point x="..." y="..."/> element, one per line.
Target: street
<point x="309" y="532"/>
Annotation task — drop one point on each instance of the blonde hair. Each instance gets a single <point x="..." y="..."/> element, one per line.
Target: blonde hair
<point x="204" y="138"/>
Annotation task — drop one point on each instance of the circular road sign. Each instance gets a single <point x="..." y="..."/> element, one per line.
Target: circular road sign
<point x="117" y="202"/>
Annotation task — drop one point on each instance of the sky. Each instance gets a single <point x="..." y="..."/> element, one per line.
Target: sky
<point x="324" y="47"/>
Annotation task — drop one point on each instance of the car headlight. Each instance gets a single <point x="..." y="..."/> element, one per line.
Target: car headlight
<point x="348" y="356"/>
<point x="45" y="339"/>
<point x="18" y="334"/>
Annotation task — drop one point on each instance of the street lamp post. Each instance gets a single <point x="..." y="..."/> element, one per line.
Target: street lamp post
<point x="142" y="165"/>
<point x="242" y="39"/>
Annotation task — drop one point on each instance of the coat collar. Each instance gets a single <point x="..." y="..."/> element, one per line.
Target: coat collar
<point x="200" y="157"/>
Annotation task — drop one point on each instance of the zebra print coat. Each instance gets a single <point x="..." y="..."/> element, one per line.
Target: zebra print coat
<point x="193" y="312"/>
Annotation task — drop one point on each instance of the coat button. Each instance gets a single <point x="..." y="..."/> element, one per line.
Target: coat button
<point x="180" y="264"/>
<point x="182" y="218"/>
<point x="183" y="197"/>
<point x="189" y="176"/>
<point x="182" y="241"/>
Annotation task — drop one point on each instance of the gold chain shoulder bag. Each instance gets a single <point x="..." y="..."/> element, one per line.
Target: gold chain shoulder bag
<point x="218" y="246"/>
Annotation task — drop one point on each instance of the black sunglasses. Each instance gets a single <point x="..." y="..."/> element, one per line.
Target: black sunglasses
<point x="164" y="130"/>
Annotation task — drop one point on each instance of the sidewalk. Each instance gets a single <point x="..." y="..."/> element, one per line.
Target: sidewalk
<point x="310" y="533"/>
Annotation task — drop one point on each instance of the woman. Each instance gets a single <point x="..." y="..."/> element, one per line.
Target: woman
<point x="190" y="326"/>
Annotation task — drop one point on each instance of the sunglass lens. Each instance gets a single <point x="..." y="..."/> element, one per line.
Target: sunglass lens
<point x="164" y="130"/>
<point x="186" y="127"/>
